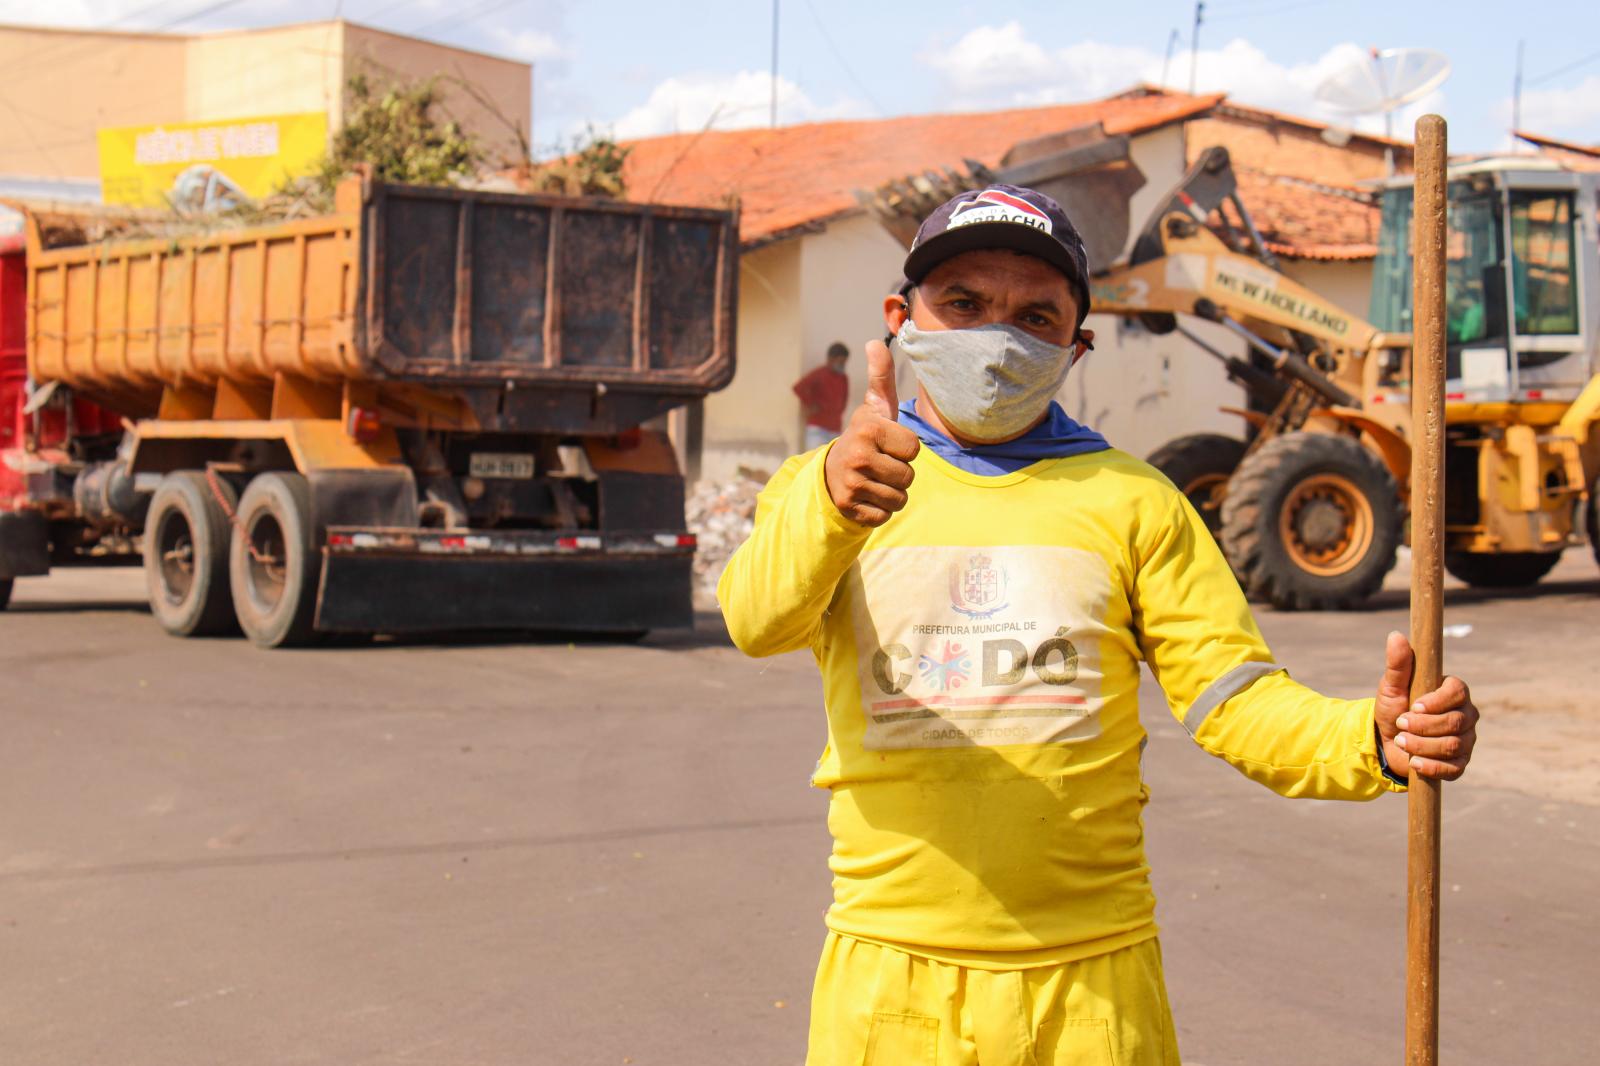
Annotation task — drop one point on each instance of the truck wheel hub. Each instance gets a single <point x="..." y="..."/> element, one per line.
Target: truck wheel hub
<point x="176" y="548"/>
<point x="268" y="561"/>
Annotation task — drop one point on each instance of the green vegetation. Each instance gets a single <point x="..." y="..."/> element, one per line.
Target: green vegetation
<point x="397" y="133"/>
<point x="592" y="168"/>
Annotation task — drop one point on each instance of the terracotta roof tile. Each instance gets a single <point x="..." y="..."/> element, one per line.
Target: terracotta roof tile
<point x="1567" y="153"/>
<point x="1298" y="184"/>
<point x="797" y="176"/>
<point x="1304" y="220"/>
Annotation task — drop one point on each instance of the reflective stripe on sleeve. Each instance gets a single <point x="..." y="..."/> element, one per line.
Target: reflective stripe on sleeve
<point x="1223" y="689"/>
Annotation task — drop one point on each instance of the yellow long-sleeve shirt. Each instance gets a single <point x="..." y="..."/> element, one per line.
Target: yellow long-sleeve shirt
<point x="980" y="660"/>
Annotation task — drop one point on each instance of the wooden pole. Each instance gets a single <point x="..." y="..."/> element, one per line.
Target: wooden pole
<point x="1427" y="582"/>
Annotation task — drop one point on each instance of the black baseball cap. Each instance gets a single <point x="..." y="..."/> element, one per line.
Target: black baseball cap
<point x="1003" y="216"/>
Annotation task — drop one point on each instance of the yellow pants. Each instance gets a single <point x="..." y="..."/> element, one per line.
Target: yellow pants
<point x="874" y="1006"/>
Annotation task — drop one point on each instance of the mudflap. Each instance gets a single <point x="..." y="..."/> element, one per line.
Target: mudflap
<point x="594" y="594"/>
<point x="24" y="544"/>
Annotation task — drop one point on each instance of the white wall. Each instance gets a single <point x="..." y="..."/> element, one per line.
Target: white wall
<point x="1347" y="282"/>
<point x="1141" y="390"/>
<point x="1160" y="156"/>
<point x="754" y="421"/>
<point x="845" y="272"/>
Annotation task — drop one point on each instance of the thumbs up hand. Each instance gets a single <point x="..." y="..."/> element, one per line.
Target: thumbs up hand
<point x="868" y="469"/>
<point x="881" y="394"/>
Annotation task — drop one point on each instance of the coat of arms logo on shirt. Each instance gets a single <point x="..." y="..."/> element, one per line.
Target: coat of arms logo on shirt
<point x="978" y="589"/>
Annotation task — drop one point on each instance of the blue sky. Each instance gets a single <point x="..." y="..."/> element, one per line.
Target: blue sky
<point x="638" y="68"/>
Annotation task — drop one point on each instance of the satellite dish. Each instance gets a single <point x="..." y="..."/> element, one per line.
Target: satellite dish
<point x="1385" y="81"/>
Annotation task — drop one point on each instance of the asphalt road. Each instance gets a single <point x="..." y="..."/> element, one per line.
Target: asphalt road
<point x="512" y="853"/>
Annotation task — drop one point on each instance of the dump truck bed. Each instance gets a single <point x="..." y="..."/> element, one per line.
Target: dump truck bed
<point x="452" y="287"/>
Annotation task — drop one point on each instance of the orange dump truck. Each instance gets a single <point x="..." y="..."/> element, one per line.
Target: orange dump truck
<point x="428" y="410"/>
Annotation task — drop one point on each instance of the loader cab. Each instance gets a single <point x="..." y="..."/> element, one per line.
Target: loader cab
<point x="1522" y="279"/>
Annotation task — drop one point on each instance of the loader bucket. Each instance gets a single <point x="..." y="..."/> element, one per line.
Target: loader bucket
<point x="1091" y="175"/>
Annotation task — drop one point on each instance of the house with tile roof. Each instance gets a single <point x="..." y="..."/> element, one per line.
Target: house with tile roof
<point x="1567" y="153"/>
<point x="816" y="264"/>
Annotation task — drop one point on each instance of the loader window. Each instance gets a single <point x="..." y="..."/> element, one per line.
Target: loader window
<point x="1474" y="289"/>
<point x="1391" y="273"/>
<point x="1543" y="263"/>
<point x="1474" y="292"/>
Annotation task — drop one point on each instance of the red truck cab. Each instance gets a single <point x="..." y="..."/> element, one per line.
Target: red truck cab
<point x="40" y="435"/>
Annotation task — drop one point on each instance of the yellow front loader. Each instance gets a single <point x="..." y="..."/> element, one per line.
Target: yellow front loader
<point x="1312" y="509"/>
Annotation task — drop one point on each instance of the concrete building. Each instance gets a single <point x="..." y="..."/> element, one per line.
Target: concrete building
<point x="66" y="84"/>
<point x="816" y="265"/>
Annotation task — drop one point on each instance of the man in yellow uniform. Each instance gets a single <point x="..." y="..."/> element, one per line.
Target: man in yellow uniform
<point x="979" y="578"/>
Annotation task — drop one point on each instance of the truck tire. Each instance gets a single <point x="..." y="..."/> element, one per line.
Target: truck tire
<point x="1500" y="570"/>
<point x="186" y="556"/>
<point x="5" y="593"/>
<point x="1312" y="522"/>
<point x="1200" y="466"/>
<point x="275" y="585"/>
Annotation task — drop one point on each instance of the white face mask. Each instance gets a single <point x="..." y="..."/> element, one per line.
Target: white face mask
<point x="990" y="383"/>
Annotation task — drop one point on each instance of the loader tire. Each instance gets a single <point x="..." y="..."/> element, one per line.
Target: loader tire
<point x="1200" y="466"/>
<point x="186" y="534"/>
<point x="275" y="584"/>
<point x="1312" y="522"/>
<point x="1594" y="520"/>
<point x="1502" y="570"/>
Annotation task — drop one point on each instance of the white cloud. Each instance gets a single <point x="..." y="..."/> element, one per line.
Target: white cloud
<point x="1000" y="66"/>
<point x="725" y="101"/>
<point x="1574" y="111"/>
<point x="530" y="46"/>
<point x="992" y="66"/>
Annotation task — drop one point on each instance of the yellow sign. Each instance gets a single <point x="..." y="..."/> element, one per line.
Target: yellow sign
<point x="203" y="164"/>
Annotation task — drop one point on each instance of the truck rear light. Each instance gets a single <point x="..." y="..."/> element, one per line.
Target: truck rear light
<point x="340" y="540"/>
<point x="687" y="540"/>
<point x="453" y="542"/>
<point x="363" y="425"/>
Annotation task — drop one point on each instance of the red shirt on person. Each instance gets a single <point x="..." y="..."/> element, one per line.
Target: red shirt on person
<point x="824" y="393"/>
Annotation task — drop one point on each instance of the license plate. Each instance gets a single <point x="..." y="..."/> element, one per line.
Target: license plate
<point x="502" y="464"/>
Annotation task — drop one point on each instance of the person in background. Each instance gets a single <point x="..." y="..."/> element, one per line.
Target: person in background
<point x="823" y="394"/>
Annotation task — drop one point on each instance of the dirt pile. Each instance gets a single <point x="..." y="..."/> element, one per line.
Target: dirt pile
<point x="721" y="514"/>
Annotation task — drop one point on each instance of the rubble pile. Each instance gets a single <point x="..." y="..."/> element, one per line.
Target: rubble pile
<point x="721" y="515"/>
